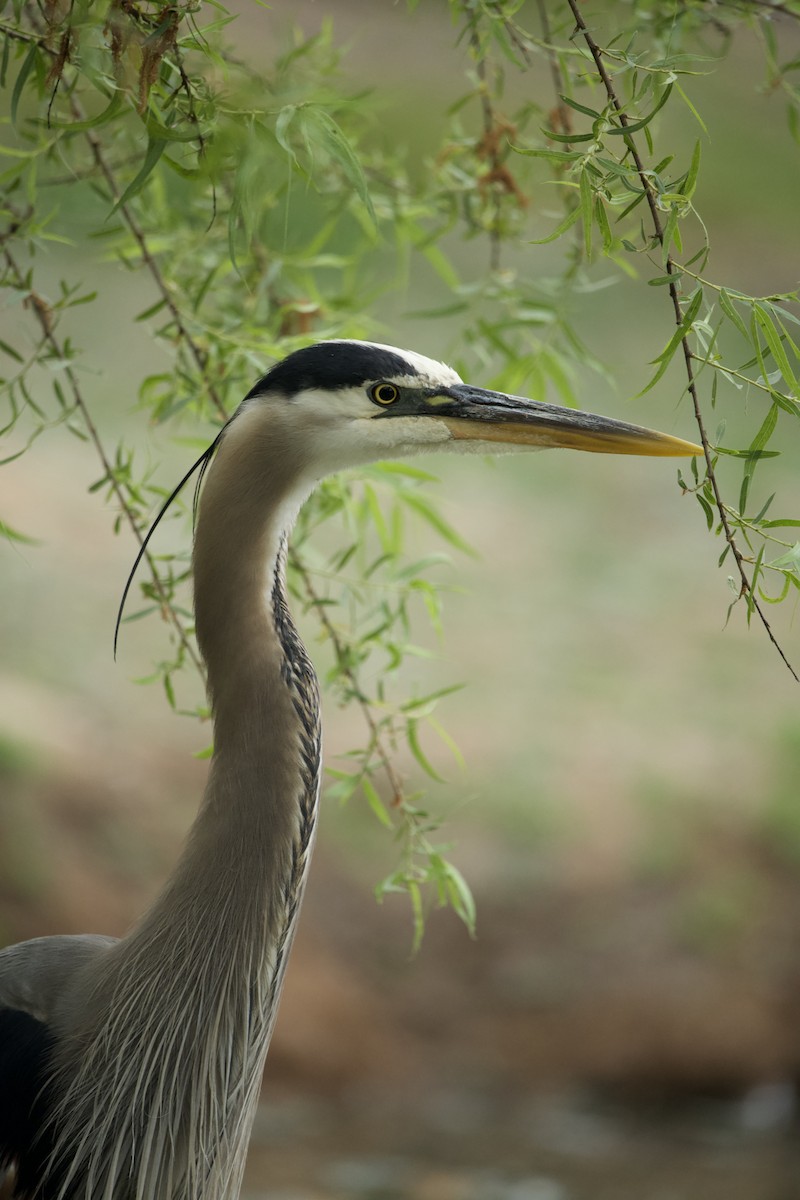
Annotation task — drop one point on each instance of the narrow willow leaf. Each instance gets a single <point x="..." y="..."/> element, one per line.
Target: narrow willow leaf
<point x="568" y="138"/>
<point x="108" y="113"/>
<point x="746" y="453"/>
<point x="154" y="151"/>
<point x="435" y="519"/>
<point x="784" y="592"/>
<point x="634" y="126"/>
<point x="282" y="123"/>
<point x="24" y="72"/>
<point x="707" y="509"/>
<point x="581" y="108"/>
<point x="566" y="224"/>
<point x="728" y="307"/>
<point x="407" y="470"/>
<point x="558" y="156"/>
<point x="333" y="141"/>
<point x="754" y="582"/>
<point x="758" y="443"/>
<point x="670" y="234"/>
<point x="4" y="62"/>
<point x="690" y="106"/>
<point x="602" y="225"/>
<point x="442" y="266"/>
<point x="690" y="182"/>
<point x="630" y="207"/>
<point x="415" y="896"/>
<point x="375" y="803"/>
<point x="158" y="131"/>
<point x="666" y="355"/>
<point x="151" y="311"/>
<point x="665" y="280"/>
<point x="459" y="895"/>
<point x="14" y="535"/>
<point x="10" y="351"/>
<point x="414" y="746"/>
<point x="773" y="340"/>
<point x="586" y="211"/>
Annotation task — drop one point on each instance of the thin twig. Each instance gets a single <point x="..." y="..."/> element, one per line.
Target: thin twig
<point x="559" y="85"/>
<point x="746" y="588"/>
<point x="489" y="141"/>
<point x="376" y="740"/>
<point x="44" y="318"/>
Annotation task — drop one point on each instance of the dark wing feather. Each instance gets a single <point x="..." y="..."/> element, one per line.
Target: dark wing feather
<point x="26" y="1047"/>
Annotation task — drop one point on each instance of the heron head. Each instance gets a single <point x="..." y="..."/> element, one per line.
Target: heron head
<point x="342" y="403"/>
<point x="349" y="402"/>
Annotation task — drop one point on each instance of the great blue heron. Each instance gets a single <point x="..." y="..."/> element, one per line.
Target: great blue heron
<point x="130" y="1069"/>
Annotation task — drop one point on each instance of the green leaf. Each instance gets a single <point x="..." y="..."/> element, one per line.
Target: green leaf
<point x="566" y="224"/>
<point x="728" y="307"/>
<point x="665" y="280"/>
<point x="773" y="340"/>
<point x="632" y="127"/>
<point x="282" y="123"/>
<point x="14" y="535"/>
<point x="707" y="509"/>
<point x="155" y="149"/>
<point x="460" y="896"/>
<point x="789" y="561"/>
<point x="665" y="357"/>
<point x="11" y="352"/>
<point x="586" y="211"/>
<point x="435" y="519"/>
<point x="569" y="138"/>
<point x="758" y="443"/>
<point x="557" y="156"/>
<point x="375" y="803"/>
<point x="419" y="754"/>
<point x="690" y="182"/>
<point x="603" y="225"/>
<point x="333" y="141"/>
<point x="24" y="72"/>
<point x="581" y="108"/>
<point x="108" y="113"/>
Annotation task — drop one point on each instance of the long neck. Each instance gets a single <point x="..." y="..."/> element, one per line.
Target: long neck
<point x="172" y="1053"/>
<point x="261" y="682"/>
<point x="260" y="799"/>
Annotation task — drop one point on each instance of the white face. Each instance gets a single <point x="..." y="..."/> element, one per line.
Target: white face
<point x="344" y="427"/>
<point x="323" y="429"/>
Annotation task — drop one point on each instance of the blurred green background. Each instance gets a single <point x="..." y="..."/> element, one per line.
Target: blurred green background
<point x="627" y="1022"/>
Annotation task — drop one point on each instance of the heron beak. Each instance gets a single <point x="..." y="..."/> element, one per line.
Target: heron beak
<point x="474" y="414"/>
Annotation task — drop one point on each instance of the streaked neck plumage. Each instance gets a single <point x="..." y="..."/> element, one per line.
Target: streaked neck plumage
<point x="174" y="1048"/>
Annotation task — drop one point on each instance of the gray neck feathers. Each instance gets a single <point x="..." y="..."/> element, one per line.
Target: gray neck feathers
<point x="166" y="1072"/>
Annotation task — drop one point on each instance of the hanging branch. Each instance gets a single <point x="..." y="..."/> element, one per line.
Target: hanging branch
<point x="746" y="589"/>
<point x="43" y="315"/>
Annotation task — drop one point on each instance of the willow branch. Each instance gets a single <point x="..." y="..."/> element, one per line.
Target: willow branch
<point x="746" y="588"/>
<point x="376" y="740"/>
<point x="184" y="336"/>
<point x="44" y="317"/>
<point x="489" y="141"/>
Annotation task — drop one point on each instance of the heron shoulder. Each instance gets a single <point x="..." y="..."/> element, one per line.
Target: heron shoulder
<point x="38" y="976"/>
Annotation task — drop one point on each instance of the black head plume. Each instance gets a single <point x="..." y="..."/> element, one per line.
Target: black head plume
<point x="202" y="462"/>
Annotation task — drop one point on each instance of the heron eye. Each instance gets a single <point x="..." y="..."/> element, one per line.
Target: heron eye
<point x="384" y="393"/>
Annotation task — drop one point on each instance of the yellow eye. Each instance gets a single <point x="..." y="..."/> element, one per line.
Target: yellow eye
<point x="384" y="393"/>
